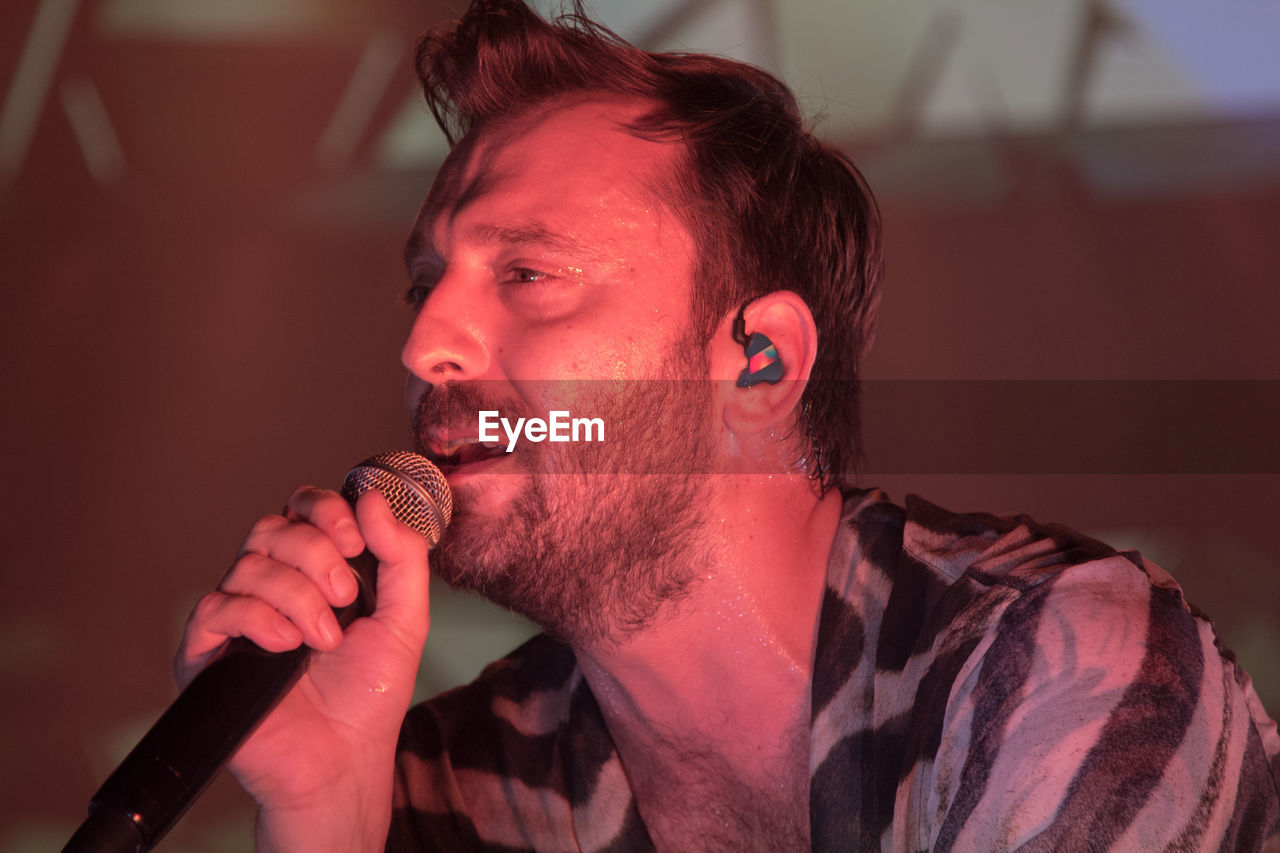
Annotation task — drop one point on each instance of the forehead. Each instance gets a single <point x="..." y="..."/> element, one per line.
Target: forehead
<point x="565" y="161"/>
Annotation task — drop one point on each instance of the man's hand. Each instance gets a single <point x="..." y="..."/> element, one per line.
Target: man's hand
<point x="321" y="765"/>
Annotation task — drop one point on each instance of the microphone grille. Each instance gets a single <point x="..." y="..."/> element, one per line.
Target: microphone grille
<point x="413" y="486"/>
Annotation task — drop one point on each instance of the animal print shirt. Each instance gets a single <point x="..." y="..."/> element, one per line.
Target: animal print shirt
<point x="979" y="683"/>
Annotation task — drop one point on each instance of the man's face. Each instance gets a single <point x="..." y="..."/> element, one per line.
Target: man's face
<point x="549" y="278"/>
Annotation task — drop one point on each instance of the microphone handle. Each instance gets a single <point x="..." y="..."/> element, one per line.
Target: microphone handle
<point x="177" y="759"/>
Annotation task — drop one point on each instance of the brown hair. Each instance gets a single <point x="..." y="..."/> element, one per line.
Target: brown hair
<point x="769" y="206"/>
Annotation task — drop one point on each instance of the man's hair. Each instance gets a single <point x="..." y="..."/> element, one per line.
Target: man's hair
<point x="768" y="205"/>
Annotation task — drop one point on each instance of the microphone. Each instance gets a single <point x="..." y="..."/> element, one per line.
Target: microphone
<point x="175" y="761"/>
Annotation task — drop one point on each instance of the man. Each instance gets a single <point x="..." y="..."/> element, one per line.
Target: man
<point x="743" y="651"/>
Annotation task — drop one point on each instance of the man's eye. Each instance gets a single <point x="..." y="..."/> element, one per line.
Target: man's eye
<point x="524" y="275"/>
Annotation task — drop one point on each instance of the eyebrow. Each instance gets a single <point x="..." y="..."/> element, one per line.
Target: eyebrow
<point x="418" y="246"/>
<point x="512" y="235"/>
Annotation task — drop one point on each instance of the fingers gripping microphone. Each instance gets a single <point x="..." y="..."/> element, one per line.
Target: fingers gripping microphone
<point x="419" y="498"/>
<point x="175" y="761"/>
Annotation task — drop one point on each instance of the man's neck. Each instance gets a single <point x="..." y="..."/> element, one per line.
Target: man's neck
<point x="709" y="706"/>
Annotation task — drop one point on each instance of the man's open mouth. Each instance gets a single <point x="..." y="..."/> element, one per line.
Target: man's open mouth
<point x="453" y="454"/>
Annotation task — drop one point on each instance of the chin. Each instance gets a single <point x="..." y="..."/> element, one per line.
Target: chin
<point x="477" y="546"/>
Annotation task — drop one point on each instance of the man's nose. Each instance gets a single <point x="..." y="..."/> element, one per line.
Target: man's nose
<point x="448" y="340"/>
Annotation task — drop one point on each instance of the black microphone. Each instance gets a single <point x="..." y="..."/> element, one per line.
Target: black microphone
<point x="175" y="761"/>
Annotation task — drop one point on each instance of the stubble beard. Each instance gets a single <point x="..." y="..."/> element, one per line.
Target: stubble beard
<point x="591" y="556"/>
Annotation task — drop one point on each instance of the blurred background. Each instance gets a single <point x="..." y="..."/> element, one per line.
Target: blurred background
<point x="202" y="209"/>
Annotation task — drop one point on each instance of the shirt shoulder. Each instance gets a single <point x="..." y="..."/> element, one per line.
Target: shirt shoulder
<point x="1042" y="683"/>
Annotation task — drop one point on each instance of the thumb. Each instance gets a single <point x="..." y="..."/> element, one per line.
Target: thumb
<point x="403" y="579"/>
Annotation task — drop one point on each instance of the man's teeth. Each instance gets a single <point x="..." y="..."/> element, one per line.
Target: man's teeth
<point x="459" y="443"/>
<point x="461" y="451"/>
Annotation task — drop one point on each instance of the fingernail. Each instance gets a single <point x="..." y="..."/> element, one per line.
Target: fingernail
<point x="343" y="584"/>
<point x="349" y="539"/>
<point x="329" y="629"/>
<point x="287" y="634"/>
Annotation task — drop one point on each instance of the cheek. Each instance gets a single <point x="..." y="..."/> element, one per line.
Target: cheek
<point x="544" y="354"/>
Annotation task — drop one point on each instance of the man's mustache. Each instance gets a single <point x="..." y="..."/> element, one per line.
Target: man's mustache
<point x="456" y="409"/>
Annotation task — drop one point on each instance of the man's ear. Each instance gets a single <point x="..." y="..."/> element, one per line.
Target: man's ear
<point x="755" y="394"/>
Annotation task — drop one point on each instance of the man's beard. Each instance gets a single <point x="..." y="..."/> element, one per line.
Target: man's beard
<point x="604" y="535"/>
